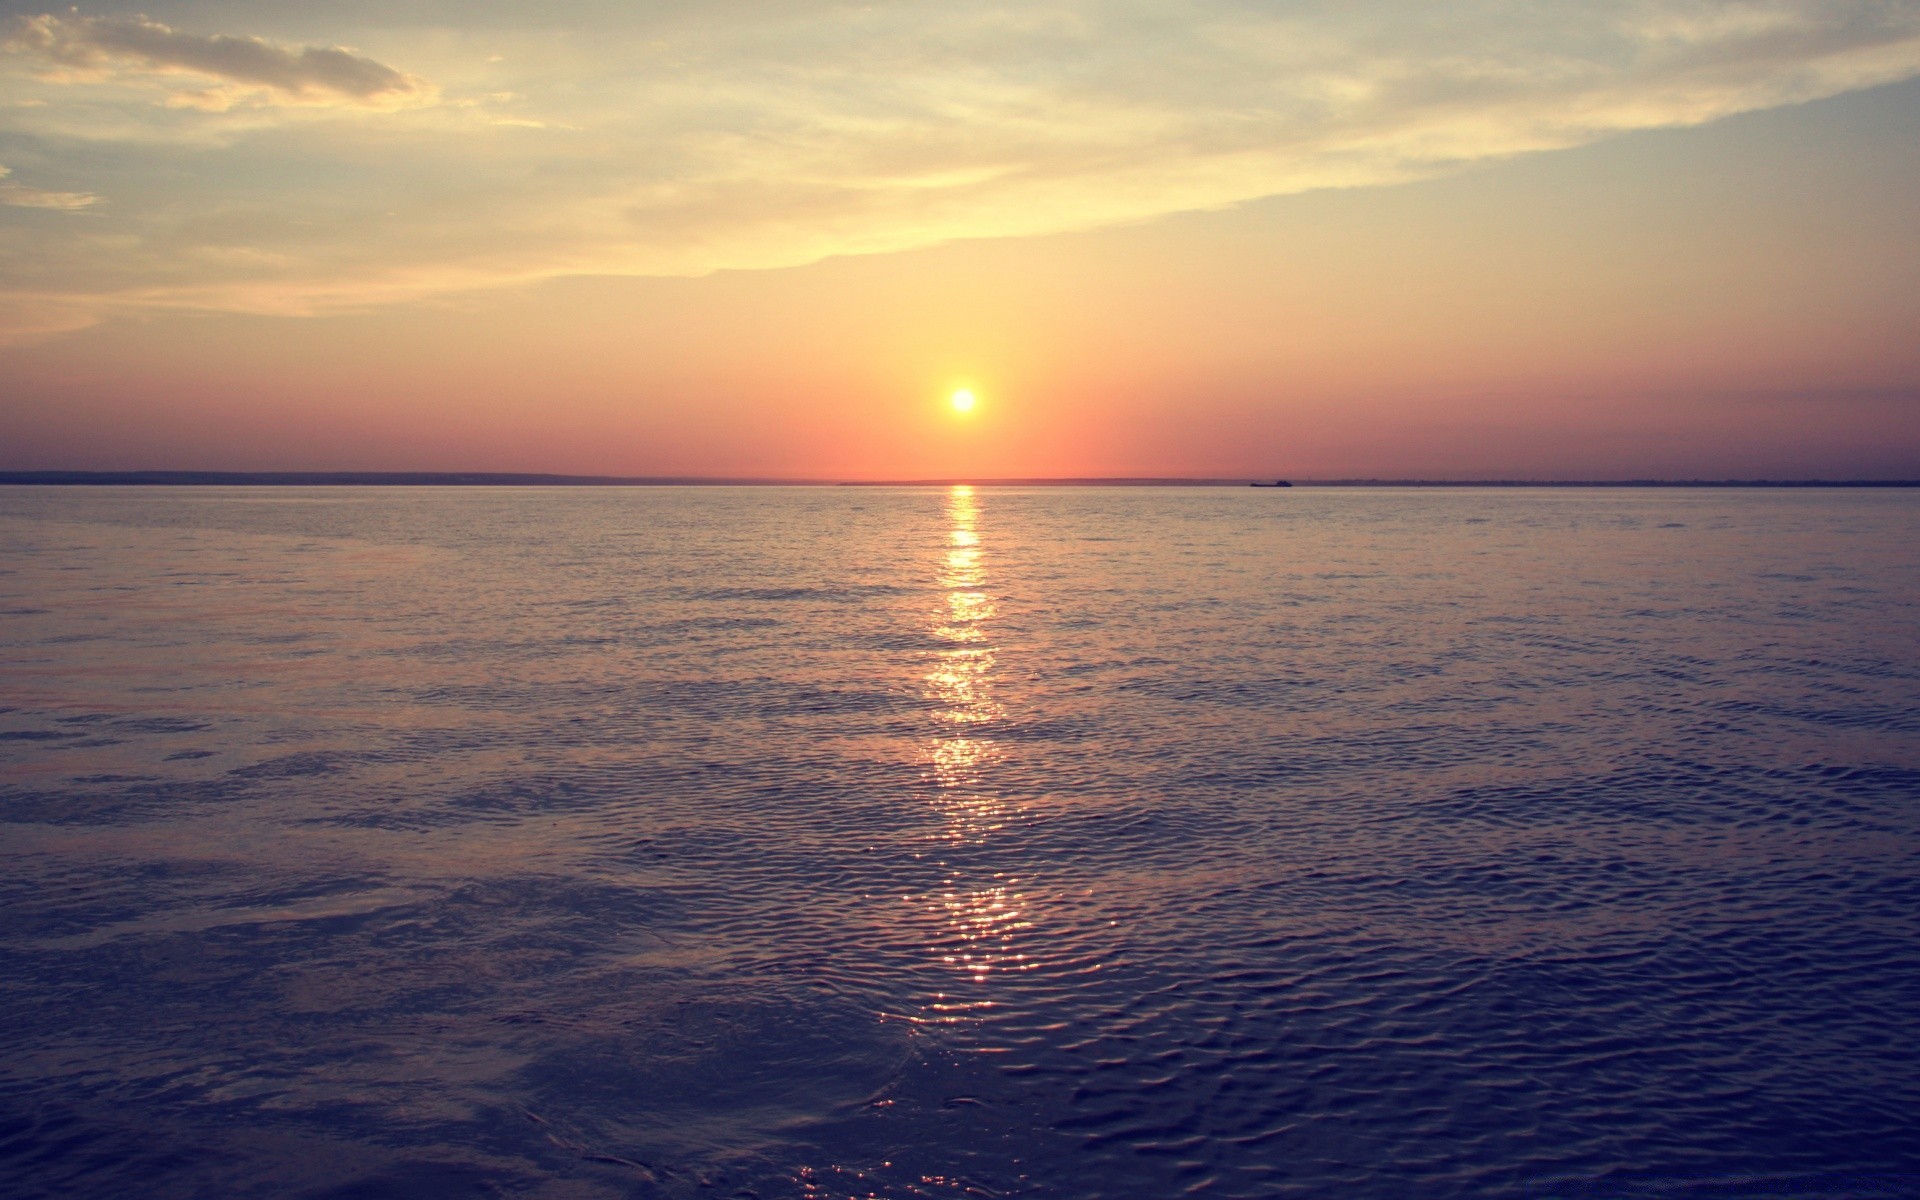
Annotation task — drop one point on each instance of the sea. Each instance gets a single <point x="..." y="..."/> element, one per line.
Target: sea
<point x="959" y="842"/>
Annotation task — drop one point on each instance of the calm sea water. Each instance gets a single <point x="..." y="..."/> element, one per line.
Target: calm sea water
<point x="891" y="843"/>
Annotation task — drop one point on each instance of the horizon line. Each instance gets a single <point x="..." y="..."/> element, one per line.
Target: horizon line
<point x="175" y="478"/>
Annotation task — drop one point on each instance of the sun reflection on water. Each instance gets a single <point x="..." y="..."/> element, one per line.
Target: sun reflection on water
<point x="982" y="922"/>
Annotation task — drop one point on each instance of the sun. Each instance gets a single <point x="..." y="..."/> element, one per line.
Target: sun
<point x="962" y="400"/>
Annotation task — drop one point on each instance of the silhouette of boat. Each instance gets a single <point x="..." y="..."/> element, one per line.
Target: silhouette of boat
<point x="1275" y="483"/>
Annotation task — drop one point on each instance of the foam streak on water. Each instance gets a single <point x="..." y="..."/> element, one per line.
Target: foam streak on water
<point x="873" y="842"/>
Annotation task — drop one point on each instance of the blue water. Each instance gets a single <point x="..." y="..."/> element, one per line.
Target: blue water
<point x="891" y="843"/>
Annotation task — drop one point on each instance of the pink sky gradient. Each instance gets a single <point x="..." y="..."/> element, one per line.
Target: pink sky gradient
<point x="1734" y="297"/>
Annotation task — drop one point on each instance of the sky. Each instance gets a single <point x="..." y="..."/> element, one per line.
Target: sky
<point x="1376" y="238"/>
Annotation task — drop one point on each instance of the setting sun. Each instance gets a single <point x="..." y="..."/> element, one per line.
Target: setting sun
<point x="962" y="400"/>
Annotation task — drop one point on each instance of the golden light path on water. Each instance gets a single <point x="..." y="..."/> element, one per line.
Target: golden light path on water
<point x="981" y="921"/>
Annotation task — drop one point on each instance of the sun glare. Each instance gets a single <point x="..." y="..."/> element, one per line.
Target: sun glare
<point x="962" y="400"/>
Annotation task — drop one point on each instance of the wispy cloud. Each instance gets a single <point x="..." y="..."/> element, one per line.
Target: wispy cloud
<point x="25" y="319"/>
<point x="242" y="70"/>
<point x="19" y="195"/>
<point x="688" y="138"/>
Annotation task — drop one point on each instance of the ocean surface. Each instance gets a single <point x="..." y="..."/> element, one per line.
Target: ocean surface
<point x="847" y="842"/>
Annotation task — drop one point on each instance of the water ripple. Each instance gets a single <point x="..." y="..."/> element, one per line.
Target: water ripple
<point x="943" y="843"/>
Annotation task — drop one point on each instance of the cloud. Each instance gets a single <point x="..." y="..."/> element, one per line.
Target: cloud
<point x="247" y="70"/>
<point x="21" y="196"/>
<point x="688" y="138"/>
<point x="25" y="320"/>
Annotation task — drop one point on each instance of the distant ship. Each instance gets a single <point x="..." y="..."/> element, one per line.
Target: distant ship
<point x="1275" y="483"/>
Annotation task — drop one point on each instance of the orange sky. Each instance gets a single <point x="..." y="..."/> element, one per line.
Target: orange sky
<point x="1660" y="273"/>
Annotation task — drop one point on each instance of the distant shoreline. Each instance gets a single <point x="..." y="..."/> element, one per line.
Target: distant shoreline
<point x="513" y="479"/>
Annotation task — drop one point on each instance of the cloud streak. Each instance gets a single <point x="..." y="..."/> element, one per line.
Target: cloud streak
<point x="244" y="69"/>
<point x="19" y="195"/>
<point x="704" y="142"/>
